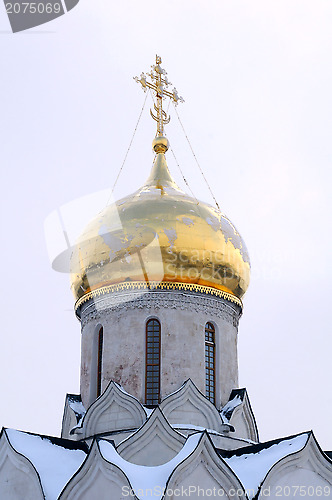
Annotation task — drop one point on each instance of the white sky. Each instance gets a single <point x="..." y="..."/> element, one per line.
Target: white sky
<point x="257" y="79"/>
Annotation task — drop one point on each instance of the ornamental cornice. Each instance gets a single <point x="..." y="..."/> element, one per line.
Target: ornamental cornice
<point x="159" y="299"/>
<point x="144" y="287"/>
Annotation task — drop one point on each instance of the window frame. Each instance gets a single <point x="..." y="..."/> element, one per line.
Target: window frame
<point x="153" y="399"/>
<point x="210" y="346"/>
<point x="100" y="350"/>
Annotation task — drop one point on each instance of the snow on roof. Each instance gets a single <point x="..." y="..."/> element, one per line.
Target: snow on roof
<point x="252" y="467"/>
<point x="55" y="464"/>
<point x="76" y="405"/>
<point x="201" y="429"/>
<point x="148" y="411"/>
<point x="196" y="428"/>
<point x="142" y="478"/>
<point x="227" y="410"/>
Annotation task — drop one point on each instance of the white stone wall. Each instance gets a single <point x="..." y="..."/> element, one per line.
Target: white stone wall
<point x="183" y="317"/>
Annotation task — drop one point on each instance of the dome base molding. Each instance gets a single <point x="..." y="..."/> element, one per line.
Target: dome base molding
<point x="137" y="288"/>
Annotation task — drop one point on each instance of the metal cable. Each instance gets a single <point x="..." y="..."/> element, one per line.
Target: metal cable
<point x="176" y="161"/>
<point x="214" y="198"/>
<point x="126" y="155"/>
<point x="185" y="180"/>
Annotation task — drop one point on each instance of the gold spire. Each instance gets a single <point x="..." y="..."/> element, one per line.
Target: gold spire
<point x="158" y="85"/>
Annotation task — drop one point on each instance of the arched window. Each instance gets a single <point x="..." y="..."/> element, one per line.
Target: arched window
<point x="96" y="363"/>
<point x="210" y="361"/>
<point x="152" y="373"/>
<point x="100" y="360"/>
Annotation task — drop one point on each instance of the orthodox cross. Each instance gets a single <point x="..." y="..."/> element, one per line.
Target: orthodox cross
<point x="158" y="84"/>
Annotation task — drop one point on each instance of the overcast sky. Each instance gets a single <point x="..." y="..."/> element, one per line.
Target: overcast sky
<point x="257" y="80"/>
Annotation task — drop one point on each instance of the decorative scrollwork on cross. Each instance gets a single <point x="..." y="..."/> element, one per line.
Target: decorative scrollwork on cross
<point x="159" y="84"/>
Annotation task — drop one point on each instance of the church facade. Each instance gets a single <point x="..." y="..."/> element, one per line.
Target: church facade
<point x="158" y="280"/>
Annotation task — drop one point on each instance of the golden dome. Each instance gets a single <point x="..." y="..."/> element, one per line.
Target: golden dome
<point x="159" y="236"/>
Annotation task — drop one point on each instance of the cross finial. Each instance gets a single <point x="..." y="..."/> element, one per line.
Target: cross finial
<point x="158" y="84"/>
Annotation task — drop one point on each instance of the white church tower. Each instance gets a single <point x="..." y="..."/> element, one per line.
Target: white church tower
<point x="158" y="279"/>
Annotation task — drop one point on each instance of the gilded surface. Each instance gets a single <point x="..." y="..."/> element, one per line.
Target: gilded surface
<point x="160" y="234"/>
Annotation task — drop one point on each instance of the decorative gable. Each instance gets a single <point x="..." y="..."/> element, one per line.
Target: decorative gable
<point x="204" y="470"/>
<point x="114" y="410"/>
<point x="308" y="467"/>
<point x="18" y="477"/>
<point x="97" y="479"/>
<point x="155" y="443"/>
<point x="189" y="406"/>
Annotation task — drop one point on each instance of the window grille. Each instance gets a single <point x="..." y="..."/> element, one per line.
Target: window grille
<point x="100" y="360"/>
<point x="152" y="377"/>
<point x="210" y="372"/>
